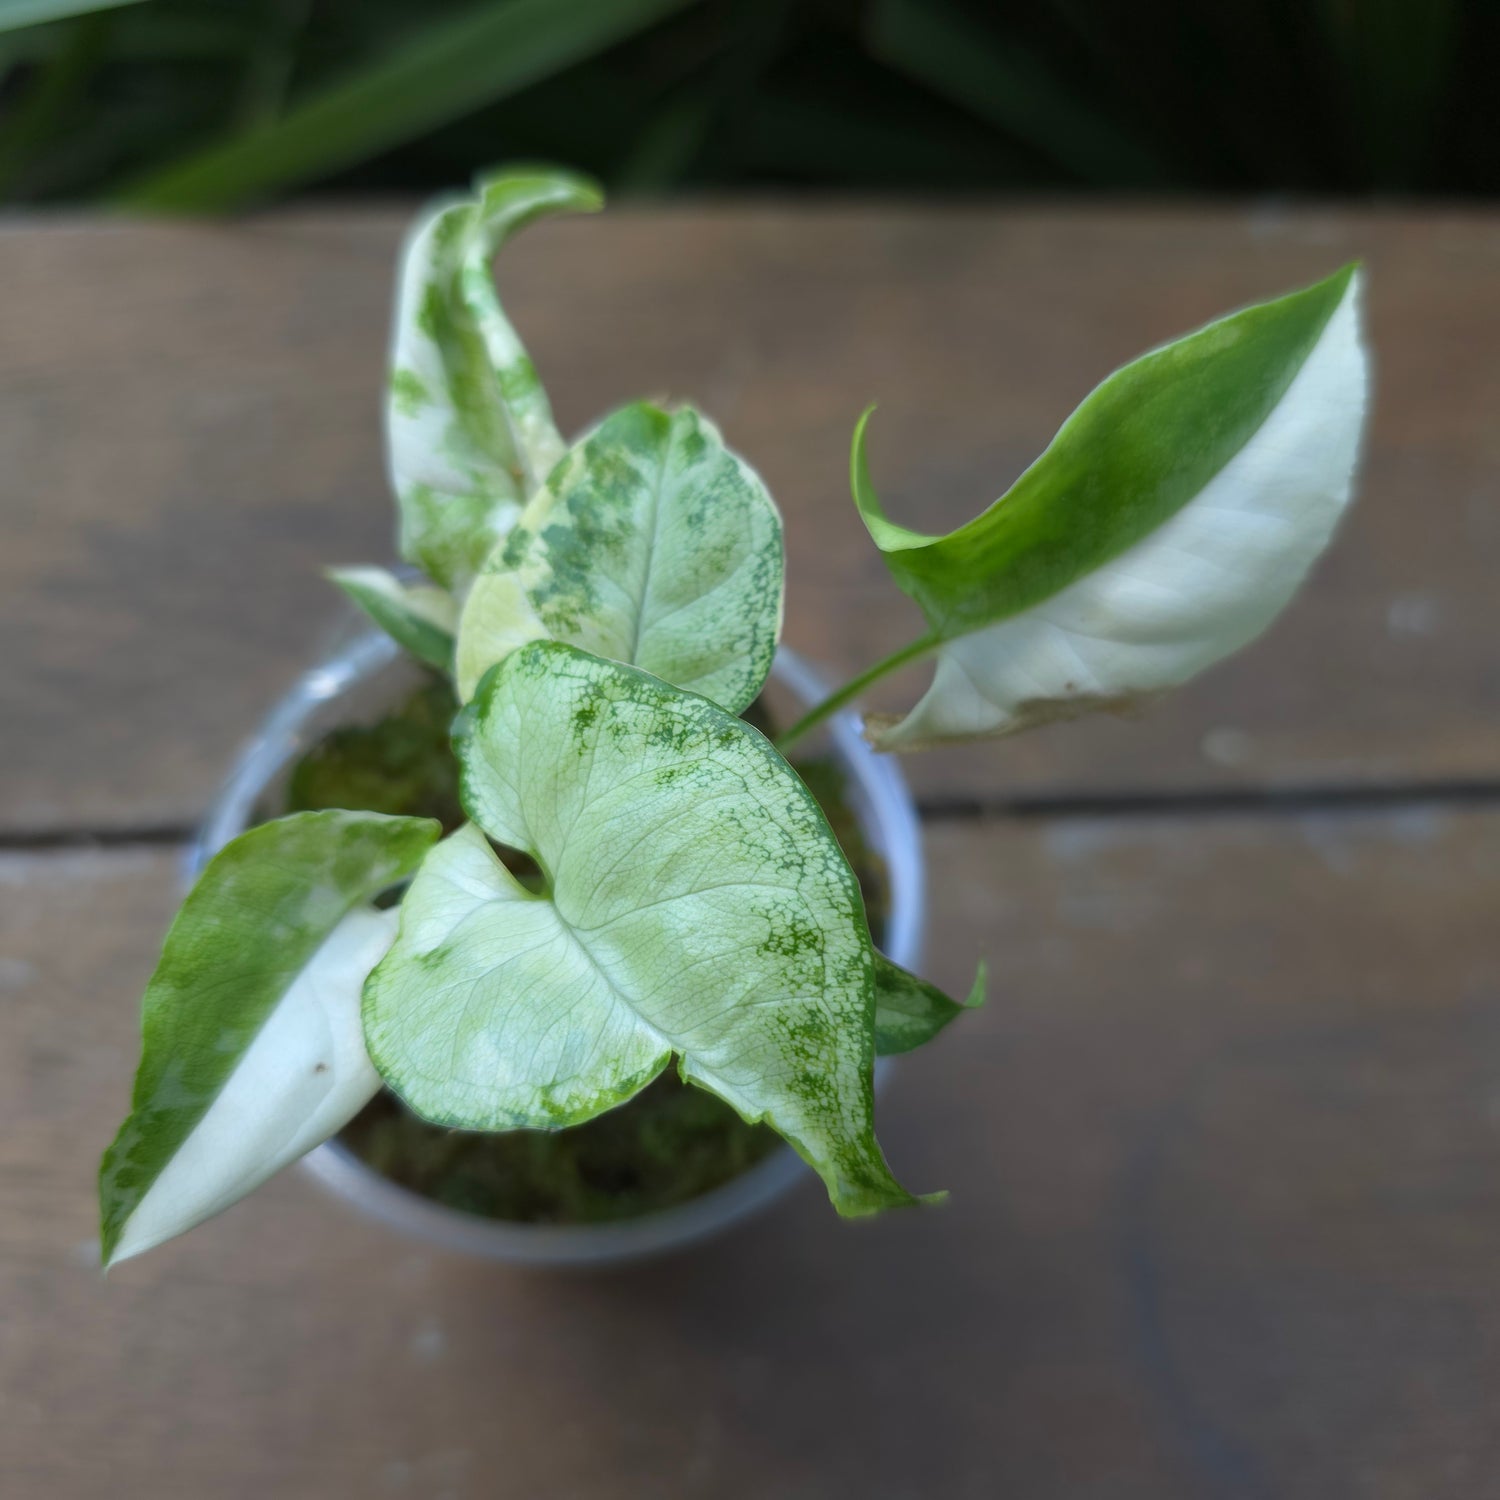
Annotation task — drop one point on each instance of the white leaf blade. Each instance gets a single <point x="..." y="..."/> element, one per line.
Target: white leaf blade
<point x="251" y="1050"/>
<point x="452" y="463"/>
<point x="696" y="904"/>
<point x="460" y="892"/>
<point x="498" y="618"/>
<point x="1205" y="583"/>
<point x="302" y="1079"/>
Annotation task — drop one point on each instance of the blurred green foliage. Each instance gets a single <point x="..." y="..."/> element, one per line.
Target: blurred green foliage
<point x="199" y="105"/>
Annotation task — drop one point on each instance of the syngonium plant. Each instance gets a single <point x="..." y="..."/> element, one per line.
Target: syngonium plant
<point x="607" y="609"/>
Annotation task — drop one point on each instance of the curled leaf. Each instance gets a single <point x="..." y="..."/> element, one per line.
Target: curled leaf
<point x="1167" y="524"/>
<point x="469" y="429"/>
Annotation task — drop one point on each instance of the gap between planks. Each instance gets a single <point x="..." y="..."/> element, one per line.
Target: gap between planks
<point x="1262" y="801"/>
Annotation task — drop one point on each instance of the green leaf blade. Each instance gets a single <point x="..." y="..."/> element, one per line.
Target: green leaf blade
<point x="910" y="1012"/>
<point x="652" y="544"/>
<point x="419" y="617"/>
<point x="1168" y="523"/>
<point x="18" y="13"/>
<point x="437" y="74"/>
<point x="697" y="905"/>
<point x="251" y="1051"/>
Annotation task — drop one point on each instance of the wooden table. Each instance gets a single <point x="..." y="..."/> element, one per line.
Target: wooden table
<point x="1224" y="1149"/>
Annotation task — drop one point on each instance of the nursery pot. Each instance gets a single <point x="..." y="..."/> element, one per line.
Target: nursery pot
<point x="368" y="675"/>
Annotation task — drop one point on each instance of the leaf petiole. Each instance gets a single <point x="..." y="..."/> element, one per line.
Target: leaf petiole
<point x="853" y="688"/>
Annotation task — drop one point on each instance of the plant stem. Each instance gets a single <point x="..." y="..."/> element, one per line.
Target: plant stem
<point x="853" y="688"/>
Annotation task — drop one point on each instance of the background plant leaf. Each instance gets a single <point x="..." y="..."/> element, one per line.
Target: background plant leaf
<point x="204" y="104"/>
<point x="428" y="78"/>
<point x="1009" y="87"/>
<point x="15" y="14"/>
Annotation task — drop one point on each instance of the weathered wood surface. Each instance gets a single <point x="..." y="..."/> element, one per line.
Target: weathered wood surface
<point x="1224" y="1149"/>
<point x="189" y="431"/>
<point x="1223" y="1153"/>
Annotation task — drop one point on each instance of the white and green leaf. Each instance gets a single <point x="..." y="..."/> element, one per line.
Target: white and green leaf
<point x="651" y="543"/>
<point x="252" y="1052"/>
<point x="469" y="429"/>
<point x="695" y="904"/>
<point x="909" y="1011"/>
<point x="419" y="616"/>
<point x="1168" y="523"/>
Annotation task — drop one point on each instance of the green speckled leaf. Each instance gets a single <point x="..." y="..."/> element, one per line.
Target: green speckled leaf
<point x="695" y="905"/>
<point x="251" y="1049"/>
<point x="650" y="543"/>
<point x="469" y="431"/>
<point x="909" y="1011"/>
<point x="1168" y="523"/>
<point x="419" y="616"/>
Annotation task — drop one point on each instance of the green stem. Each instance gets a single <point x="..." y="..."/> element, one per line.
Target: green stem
<point x="853" y="688"/>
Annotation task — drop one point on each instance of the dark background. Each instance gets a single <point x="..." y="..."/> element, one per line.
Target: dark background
<point x="199" y="105"/>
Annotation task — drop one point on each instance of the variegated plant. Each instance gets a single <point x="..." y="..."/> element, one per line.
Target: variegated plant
<point x="607" y="610"/>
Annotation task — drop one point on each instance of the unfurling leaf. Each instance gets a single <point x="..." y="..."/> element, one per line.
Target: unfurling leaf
<point x="251" y="1045"/>
<point x="1167" y="524"/>
<point x="694" y="904"/>
<point x="419" y="616"/>
<point x="909" y="1011"/>
<point x="651" y="544"/>
<point x="469" y="430"/>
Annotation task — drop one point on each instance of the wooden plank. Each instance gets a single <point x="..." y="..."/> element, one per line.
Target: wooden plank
<point x="1222" y="1153"/>
<point x="189" y="431"/>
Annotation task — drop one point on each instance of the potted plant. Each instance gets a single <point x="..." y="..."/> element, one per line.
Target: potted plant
<point x="576" y="863"/>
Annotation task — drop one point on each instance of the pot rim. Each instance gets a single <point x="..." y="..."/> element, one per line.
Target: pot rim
<point x="882" y="802"/>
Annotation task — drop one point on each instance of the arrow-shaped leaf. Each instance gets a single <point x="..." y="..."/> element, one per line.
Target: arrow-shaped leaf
<point x="695" y="904"/>
<point x="469" y="429"/>
<point x="1167" y="524"/>
<point x="419" y="616"/>
<point x="650" y="543"/>
<point x="909" y="1011"/>
<point x="251" y="1046"/>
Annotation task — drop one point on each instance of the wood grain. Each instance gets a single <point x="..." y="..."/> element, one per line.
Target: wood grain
<point x="1222" y="1152"/>
<point x="189" y="432"/>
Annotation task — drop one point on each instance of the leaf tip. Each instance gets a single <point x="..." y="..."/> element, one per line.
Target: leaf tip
<point x="860" y="484"/>
<point x="1351" y="272"/>
<point x="978" y="993"/>
<point x="886" y="535"/>
<point x="561" y="187"/>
